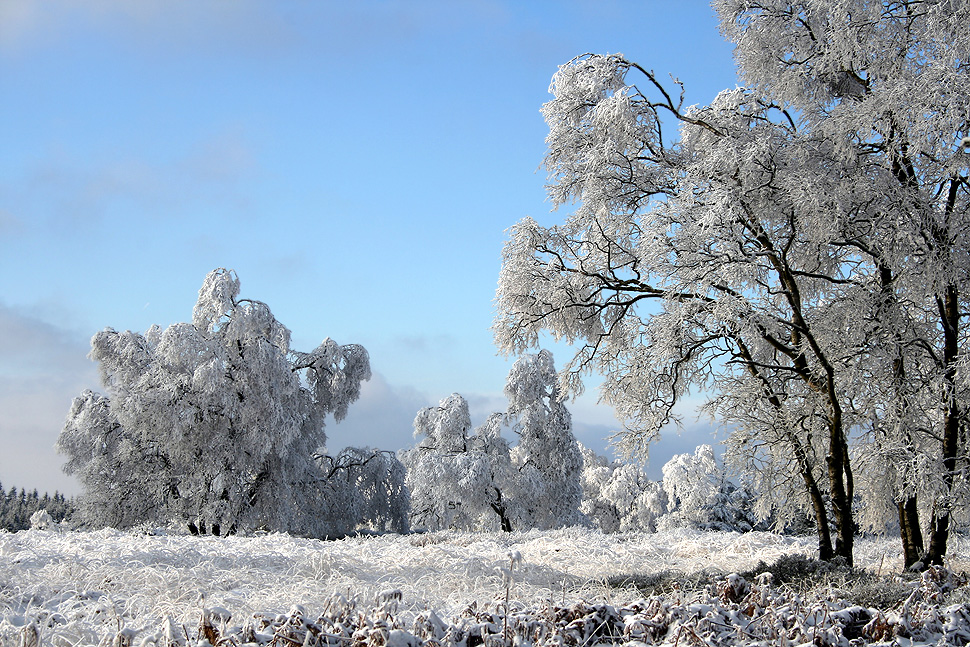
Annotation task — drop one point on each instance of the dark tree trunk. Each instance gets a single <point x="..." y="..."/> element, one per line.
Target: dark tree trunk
<point x="802" y="459"/>
<point x="840" y="484"/>
<point x="939" y="534"/>
<point x="940" y="521"/>
<point x="948" y="305"/>
<point x="909" y="531"/>
<point x="825" y="551"/>
<point x="499" y="507"/>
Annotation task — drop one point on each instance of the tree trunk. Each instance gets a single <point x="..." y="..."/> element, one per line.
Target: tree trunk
<point x="825" y="551"/>
<point x="939" y="533"/>
<point x="909" y="531"/>
<point x="499" y="507"/>
<point x="840" y="484"/>
<point x="949" y="307"/>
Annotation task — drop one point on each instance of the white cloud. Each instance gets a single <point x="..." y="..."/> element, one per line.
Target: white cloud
<point x="42" y="368"/>
<point x="381" y="418"/>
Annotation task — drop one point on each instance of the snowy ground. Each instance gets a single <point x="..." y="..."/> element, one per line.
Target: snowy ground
<point x="85" y="588"/>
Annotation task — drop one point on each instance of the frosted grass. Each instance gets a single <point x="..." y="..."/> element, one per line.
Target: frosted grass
<point x="88" y="585"/>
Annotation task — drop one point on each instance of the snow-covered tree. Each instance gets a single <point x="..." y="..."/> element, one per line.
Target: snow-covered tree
<point x="620" y="497"/>
<point x="213" y="422"/>
<point x="547" y="457"/>
<point x="799" y="251"/>
<point x="361" y="488"/>
<point x="679" y="257"/>
<point x="699" y="495"/>
<point x="459" y="479"/>
<point x="888" y="83"/>
<point x="467" y="479"/>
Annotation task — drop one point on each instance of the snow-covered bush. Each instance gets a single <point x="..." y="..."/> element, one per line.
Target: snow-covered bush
<point x="41" y="520"/>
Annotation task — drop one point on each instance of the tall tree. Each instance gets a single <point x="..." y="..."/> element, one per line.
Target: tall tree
<point x="685" y="262"/>
<point x="213" y="422"/>
<point x="888" y="82"/>
<point x="547" y="457"/>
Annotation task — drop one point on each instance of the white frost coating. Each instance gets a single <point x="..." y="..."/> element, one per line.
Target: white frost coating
<point x="94" y="581"/>
<point x="214" y="422"/>
<point x="217" y="297"/>
<point x="699" y="495"/>
<point x="459" y="479"/>
<point x="620" y="497"/>
<point x="547" y="456"/>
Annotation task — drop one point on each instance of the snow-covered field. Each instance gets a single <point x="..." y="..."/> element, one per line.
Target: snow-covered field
<point x="88" y="588"/>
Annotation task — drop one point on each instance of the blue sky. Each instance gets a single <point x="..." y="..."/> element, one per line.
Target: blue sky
<point x="356" y="163"/>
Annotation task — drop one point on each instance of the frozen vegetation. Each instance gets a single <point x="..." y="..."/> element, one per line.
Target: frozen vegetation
<point x="572" y="586"/>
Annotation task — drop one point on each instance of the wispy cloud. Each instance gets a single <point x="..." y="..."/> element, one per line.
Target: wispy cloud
<point x="149" y="26"/>
<point x="422" y="344"/>
<point x="63" y="193"/>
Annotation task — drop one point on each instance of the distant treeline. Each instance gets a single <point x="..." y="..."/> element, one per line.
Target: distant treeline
<point x="16" y="506"/>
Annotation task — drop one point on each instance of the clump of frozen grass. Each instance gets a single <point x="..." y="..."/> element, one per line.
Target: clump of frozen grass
<point x="515" y="559"/>
<point x="799" y="568"/>
<point x="41" y="520"/>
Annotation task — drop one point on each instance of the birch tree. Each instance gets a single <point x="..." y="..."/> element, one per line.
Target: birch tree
<point x="467" y="479"/>
<point x="213" y="422"/>
<point x="684" y="262"/>
<point x="547" y="457"/>
<point x="458" y="478"/>
<point x="888" y="82"/>
<point x="620" y="497"/>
